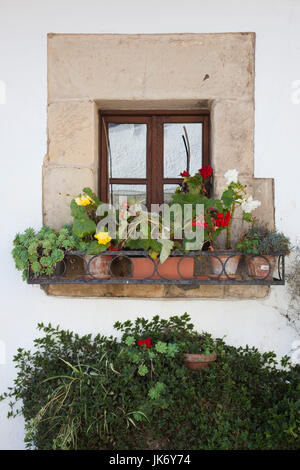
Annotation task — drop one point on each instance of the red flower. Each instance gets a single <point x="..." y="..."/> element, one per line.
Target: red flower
<point x="199" y="223"/>
<point x="185" y="174"/>
<point x="147" y="342"/>
<point x="223" y="221"/>
<point x="206" y="172"/>
<point x="112" y="248"/>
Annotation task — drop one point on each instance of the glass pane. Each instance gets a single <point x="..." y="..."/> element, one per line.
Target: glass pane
<point x="134" y="193"/>
<point x="169" y="189"/>
<point x="175" y="156"/>
<point x="128" y="144"/>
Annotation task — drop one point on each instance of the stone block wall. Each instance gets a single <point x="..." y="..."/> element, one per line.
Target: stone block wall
<point x="88" y="72"/>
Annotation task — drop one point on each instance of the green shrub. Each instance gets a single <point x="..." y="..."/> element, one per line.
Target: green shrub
<point x="99" y="393"/>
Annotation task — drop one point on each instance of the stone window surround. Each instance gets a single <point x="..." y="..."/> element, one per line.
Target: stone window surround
<point x="92" y="72"/>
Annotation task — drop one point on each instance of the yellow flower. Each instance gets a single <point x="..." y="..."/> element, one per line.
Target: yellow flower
<point x="103" y="238"/>
<point x="84" y="200"/>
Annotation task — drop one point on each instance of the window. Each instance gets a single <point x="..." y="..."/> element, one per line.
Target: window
<point x="143" y="153"/>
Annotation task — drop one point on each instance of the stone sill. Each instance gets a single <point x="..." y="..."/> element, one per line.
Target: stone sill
<point x="162" y="291"/>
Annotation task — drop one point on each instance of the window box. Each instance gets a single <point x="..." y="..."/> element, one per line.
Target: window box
<point x="136" y="267"/>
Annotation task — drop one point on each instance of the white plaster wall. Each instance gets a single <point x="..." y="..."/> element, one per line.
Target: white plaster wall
<point x="23" y="29"/>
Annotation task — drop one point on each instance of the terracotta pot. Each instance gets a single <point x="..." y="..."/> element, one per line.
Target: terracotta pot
<point x="59" y="271"/>
<point x="261" y="267"/>
<point x="230" y="267"/>
<point x="144" y="268"/>
<point x="97" y="266"/>
<point x="199" y="361"/>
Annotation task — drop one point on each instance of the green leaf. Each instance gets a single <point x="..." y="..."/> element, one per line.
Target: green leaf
<point x="84" y="226"/>
<point x="57" y="255"/>
<point x="143" y="370"/>
<point x="138" y="244"/>
<point x="36" y="267"/>
<point x="156" y="391"/>
<point x="228" y="198"/>
<point x="161" y="347"/>
<point x="130" y="340"/>
<point x="46" y="261"/>
<point x="77" y="211"/>
<point x="95" y="249"/>
<point x="151" y="354"/>
<point x="172" y="349"/>
<point x="167" y="246"/>
<point x="247" y="217"/>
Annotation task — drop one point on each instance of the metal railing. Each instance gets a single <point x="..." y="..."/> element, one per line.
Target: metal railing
<point x="192" y="268"/>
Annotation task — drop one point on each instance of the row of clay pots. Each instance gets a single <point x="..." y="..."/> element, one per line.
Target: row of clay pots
<point x="176" y="268"/>
<point x="142" y="267"/>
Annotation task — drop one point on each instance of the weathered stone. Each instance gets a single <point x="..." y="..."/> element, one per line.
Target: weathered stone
<point x="60" y="186"/>
<point x="156" y="291"/>
<point x="160" y="66"/>
<point x="246" y="292"/>
<point x="203" y="291"/>
<point x="232" y="136"/>
<point x="107" y="290"/>
<point x="263" y="190"/>
<point x="73" y="133"/>
<point x="259" y="188"/>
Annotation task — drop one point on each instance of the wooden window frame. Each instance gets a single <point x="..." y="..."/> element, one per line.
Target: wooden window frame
<point x="154" y="120"/>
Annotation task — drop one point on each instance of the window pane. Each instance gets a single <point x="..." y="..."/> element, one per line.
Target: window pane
<point x="169" y="189"/>
<point x="134" y="193"/>
<point x="128" y="144"/>
<point x="175" y="157"/>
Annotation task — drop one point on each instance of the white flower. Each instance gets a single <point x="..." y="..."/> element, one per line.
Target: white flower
<point x="231" y="176"/>
<point x="249" y="204"/>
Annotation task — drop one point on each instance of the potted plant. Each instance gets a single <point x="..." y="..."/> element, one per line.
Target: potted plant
<point x="202" y="352"/>
<point x="218" y="214"/>
<point x="261" y="247"/>
<point x="234" y="195"/>
<point x="158" y="241"/>
<point x="42" y="253"/>
<point x="135" y="232"/>
<point x="192" y="192"/>
<point x="92" y="242"/>
<point x="174" y="334"/>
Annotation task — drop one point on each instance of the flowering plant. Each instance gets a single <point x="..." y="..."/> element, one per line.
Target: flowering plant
<point x="146" y="342"/>
<point x="139" y="355"/>
<point x="235" y="195"/>
<point x="197" y="184"/>
<point x="136" y="228"/>
<point x="194" y="190"/>
<point x="85" y="219"/>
